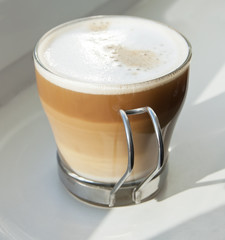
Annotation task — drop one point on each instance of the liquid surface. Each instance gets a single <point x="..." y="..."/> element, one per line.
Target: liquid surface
<point x="110" y="51"/>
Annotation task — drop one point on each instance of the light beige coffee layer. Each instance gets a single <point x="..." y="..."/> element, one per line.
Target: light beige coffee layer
<point x="98" y="151"/>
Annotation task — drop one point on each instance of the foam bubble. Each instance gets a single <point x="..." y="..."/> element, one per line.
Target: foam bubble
<point x="109" y="54"/>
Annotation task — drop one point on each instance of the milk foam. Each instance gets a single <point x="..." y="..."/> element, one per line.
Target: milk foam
<point x="110" y="54"/>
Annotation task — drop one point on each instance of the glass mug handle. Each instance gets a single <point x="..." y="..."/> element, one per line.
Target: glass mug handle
<point x="139" y="192"/>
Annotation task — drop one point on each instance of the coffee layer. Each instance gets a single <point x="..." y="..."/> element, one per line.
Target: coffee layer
<point x="90" y="134"/>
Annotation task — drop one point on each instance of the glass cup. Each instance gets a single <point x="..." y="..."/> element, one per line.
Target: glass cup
<point x="112" y="149"/>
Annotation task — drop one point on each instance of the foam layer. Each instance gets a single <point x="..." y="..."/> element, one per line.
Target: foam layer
<point x="109" y="54"/>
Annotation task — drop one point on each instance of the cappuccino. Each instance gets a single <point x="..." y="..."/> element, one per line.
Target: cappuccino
<point x="87" y="70"/>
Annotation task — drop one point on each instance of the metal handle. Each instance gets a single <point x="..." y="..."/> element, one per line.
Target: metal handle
<point x="130" y="165"/>
<point x="139" y="190"/>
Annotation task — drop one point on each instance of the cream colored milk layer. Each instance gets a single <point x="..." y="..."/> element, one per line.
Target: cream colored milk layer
<point x="98" y="151"/>
<point x="107" y="55"/>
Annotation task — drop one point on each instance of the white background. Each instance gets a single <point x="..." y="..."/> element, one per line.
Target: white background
<point x="33" y="202"/>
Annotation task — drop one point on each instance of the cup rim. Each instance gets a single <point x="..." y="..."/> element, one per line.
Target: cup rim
<point x="110" y="88"/>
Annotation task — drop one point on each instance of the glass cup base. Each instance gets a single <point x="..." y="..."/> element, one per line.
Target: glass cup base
<point x="100" y="194"/>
